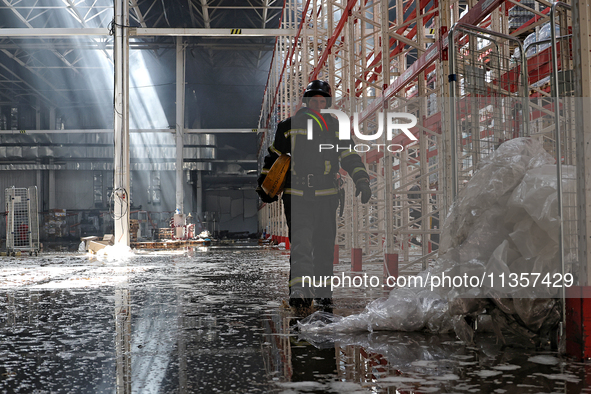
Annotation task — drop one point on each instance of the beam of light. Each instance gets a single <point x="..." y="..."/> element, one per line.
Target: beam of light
<point x="146" y="110"/>
<point x="93" y="89"/>
<point x="145" y="107"/>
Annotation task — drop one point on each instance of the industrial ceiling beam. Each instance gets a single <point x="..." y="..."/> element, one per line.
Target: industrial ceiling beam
<point x="34" y="71"/>
<point x="191" y="13"/>
<point x="246" y="7"/>
<point x="73" y="11"/>
<point x="50" y="32"/>
<point x="26" y="21"/>
<point x="101" y="131"/>
<point x="188" y="32"/>
<point x="205" y="14"/>
<point x="139" y="17"/>
<point x="14" y="75"/>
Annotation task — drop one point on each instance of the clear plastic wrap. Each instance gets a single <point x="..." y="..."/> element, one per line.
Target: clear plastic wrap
<point x="462" y="305"/>
<point x="499" y="261"/>
<point x="536" y="194"/>
<point x="502" y="302"/>
<point x="532" y="310"/>
<point x="508" y="323"/>
<point x="496" y="177"/>
<point x="529" y="238"/>
<point x="504" y="221"/>
<point x="531" y="38"/>
<point x="463" y="330"/>
<point x="403" y="310"/>
<point x="435" y="307"/>
<point x="545" y="35"/>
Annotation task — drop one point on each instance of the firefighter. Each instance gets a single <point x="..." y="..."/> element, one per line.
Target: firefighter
<point x="311" y="193"/>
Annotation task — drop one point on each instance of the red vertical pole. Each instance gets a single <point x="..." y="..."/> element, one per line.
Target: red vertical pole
<point x="390" y="267"/>
<point x="356" y="259"/>
<point x="578" y="322"/>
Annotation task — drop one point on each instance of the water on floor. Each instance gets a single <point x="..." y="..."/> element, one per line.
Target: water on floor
<point x="212" y="320"/>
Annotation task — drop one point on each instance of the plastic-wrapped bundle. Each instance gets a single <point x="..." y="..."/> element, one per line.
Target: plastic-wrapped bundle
<point x="403" y="310"/>
<point x="436" y="316"/>
<point x="533" y="310"/>
<point x="531" y="38"/>
<point x="497" y="176"/>
<point x="545" y="35"/>
<point x="537" y="196"/>
<point x="529" y="238"/>
<point x="498" y="264"/>
<point x="505" y="221"/>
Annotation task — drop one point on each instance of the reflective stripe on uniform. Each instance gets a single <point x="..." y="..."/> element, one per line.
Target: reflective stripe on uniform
<point x="326" y="192"/>
<point x="357" y="169"/>
<point x="347" y="153"/>
<point x="294" y="192"/>
<point x="291" y="132"/>
<point x="265" y="171"/>
<point x="327" y="167"/>
<point x="274" y="150"/>
<point x="295" y="281"/>
<point x="300" y="193"/>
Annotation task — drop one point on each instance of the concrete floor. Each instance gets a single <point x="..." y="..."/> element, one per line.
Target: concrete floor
<point x="212" y="320"/>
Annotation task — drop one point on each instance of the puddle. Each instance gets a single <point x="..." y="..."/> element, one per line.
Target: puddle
<point x="212" y="320"/>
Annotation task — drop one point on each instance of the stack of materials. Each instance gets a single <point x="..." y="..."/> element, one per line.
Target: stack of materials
<point x="55" y="225"/>
<point x="503" y="224"/>
<point x="134" y="226"/>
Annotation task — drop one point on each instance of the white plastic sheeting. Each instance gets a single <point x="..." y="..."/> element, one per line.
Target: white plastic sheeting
<point x="504" y="221"/>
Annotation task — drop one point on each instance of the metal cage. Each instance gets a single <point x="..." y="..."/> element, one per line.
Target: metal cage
<point x="488" y="90"/>
<point x="22" y="220"/>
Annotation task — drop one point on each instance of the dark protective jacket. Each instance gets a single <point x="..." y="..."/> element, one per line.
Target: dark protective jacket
<point x="312" y="170"/>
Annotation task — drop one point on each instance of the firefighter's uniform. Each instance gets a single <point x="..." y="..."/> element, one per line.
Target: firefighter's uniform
<point x="311" y="192"/>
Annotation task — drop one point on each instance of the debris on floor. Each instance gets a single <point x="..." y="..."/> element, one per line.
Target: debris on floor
<point x="502" y="227"/>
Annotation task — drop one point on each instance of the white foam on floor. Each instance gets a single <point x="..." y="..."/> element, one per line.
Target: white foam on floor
<point x="308" y="385"/>
<point x="506" y="367"/>
<point x="119" y="251"/>
<point x="545" y="360"/>
<point x="486" y="373"/>
<point x="401" y="379"/>
<point x="447" y="376"/>
<point x="560" y="376"/>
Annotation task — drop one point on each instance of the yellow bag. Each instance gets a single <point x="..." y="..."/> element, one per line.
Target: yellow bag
<point x="275" y="180"/>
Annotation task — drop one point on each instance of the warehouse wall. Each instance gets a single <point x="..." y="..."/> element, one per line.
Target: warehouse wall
<point x="237" y="209"/>
<point x="73" y="189"/>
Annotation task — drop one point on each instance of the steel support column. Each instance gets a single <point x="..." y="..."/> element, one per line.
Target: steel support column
<point x="582" y="61"/>
<point x="389" y="251"/>
<point x="121" y="181"/>
<point x="199" y="195"/>
<point x="180" y="116"/>
<point x="578" y="307"/>
<point x="51" y="173"/>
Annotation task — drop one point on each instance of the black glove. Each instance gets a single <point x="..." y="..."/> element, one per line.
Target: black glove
<point x="362" y="186"/>
<point x="264" y="196"/>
